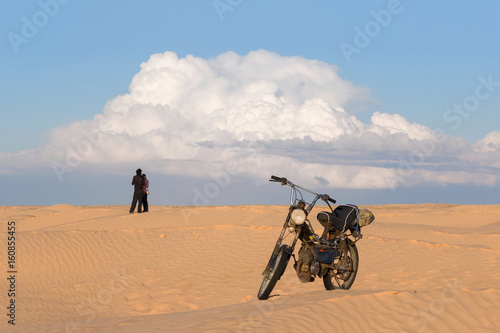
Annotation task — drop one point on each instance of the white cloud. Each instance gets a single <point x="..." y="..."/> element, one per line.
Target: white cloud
<point x="490" y="143"/>
<point x="269" y="114"/>
<point x="385" y="124"/>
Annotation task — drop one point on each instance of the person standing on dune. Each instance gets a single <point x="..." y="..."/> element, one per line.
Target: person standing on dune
<point x="145" y="190"/>
<point x="138" y="182"/>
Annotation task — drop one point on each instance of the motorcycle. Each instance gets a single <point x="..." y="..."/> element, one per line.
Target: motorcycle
<point x="333" y="256"/>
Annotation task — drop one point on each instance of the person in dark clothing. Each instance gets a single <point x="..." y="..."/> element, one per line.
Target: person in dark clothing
<point x="145" y="189"/>
<point x="138" y="182"/>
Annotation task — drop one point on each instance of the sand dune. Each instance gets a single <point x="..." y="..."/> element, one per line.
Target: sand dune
<point x="423" y="268"/>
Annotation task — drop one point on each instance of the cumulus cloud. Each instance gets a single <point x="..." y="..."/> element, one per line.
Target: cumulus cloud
<point x="262" y="113"/>
<point x="490" y="143"/>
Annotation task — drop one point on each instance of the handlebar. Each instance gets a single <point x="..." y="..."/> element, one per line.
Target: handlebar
<point x="284" y="181"/>
<point x="326" y="197"/>
<point x="281" y="180"/>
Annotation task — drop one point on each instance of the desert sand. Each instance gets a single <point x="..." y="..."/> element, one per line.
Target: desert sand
<point x="423" y="268"/>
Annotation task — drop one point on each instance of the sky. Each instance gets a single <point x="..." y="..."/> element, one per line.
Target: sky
<point x="373" y="102"/>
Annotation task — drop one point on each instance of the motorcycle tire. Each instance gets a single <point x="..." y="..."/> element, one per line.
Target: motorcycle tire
<point x="343" y="278"/>
<point x="276" y="270"/>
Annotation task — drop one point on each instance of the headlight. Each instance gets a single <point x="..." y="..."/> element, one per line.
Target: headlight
<point x="298" y="216"/>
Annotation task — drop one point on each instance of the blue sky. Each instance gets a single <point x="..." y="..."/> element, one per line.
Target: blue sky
<point x="425" y="58"/>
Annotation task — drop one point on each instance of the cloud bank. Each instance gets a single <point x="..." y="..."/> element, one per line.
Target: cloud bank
<point x="263" y="114"/>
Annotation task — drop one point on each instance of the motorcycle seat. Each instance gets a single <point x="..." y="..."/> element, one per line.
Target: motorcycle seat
<point x="342" y="218"/>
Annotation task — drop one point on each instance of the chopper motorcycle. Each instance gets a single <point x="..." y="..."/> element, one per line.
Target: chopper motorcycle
<point x="333" y="256"/>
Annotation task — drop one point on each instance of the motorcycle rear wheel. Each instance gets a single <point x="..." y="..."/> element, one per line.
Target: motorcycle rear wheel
<point x="343" y="277"/>
<point x="276" y="269"/>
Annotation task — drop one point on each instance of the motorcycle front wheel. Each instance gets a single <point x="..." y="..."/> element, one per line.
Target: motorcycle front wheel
<point x="345" y="269"/>
<point x="277" y="267"/>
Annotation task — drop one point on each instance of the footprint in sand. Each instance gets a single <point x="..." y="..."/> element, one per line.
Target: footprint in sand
<point x="163" y="308"/>
<point x="182" y="302"/>
<point x="188" y="305"/>
<point x="80" y="286"/>
<point x="149" y="283"/>
<point x="131" y="297"/>
<point x="141" y="307"/>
